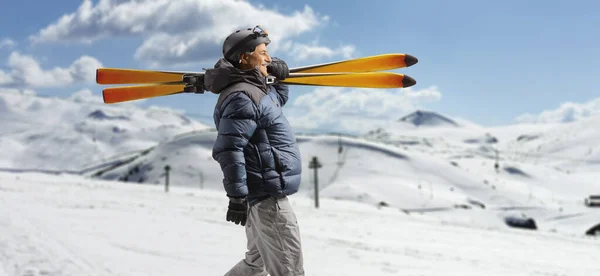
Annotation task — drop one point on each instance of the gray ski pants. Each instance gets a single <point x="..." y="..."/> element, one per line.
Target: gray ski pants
<point x="274" y="245"/>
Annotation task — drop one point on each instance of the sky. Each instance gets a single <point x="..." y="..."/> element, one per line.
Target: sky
<point x="490" y="63"/>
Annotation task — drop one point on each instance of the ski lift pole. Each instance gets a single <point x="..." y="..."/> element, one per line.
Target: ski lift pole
<point x="314" y="164"/>
<point x="167" y="169"/>
<point x="497" y="163"/>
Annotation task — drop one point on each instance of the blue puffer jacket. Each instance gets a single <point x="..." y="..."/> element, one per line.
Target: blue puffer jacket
<point x="255" y="146"/>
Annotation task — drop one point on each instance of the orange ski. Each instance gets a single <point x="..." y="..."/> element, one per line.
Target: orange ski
<point x="361" y="80"/>
<point x="365" y="64"/>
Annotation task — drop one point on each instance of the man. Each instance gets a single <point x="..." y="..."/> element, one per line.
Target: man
<point x="257" y="152"/>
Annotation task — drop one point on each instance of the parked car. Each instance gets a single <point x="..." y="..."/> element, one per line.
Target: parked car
<point x="593" y="201"/>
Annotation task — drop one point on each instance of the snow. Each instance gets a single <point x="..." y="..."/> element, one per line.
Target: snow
<point x="412" y="181"/>
<point x="62" y="134"/>
<point x="84" y="190"/>
<point x="71" y="225"/>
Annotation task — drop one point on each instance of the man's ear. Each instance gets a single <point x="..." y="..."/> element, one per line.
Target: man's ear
<point x="243" y="58"/>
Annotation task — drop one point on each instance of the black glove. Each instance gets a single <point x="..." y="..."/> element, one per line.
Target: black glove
<point x="237" y="211"/>
<point x="278" y="68"/>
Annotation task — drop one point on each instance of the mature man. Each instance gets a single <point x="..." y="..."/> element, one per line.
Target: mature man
<point x="257" y="152"/>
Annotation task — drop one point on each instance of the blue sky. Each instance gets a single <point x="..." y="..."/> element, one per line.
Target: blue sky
<point x="493" y="63"/>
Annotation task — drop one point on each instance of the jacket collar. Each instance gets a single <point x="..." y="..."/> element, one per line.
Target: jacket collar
<point x="224" y="74"/>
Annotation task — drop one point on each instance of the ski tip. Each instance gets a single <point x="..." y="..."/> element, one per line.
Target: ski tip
<point x="408" y="81"/>
<point x="410" y="60"/>
<point x="104" y="97"/>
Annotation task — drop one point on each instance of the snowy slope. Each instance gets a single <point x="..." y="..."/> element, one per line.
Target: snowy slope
<point x="570" y="146"/>
<point x="188" y="154"/>
<point x="66" y="134"/>
<point x="379" y="174"/>
<point x="363" y="171"/>
<point x="68" y="225"/>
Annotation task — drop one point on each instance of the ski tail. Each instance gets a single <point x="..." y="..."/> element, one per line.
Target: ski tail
<point x="133" y="76"/>
<point x="131" y="93"/>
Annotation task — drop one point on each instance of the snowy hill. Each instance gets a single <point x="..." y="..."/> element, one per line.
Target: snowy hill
<point x="64" y="134"/>
<point x="385" y="175"/>
<point x="569" y="146"/>
<point x="68" y="225"/>
<point x="566" y="146"/>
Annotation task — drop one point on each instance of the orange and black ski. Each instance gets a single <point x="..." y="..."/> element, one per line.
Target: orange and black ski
<point x="347" y="73"/>
<point x="359" y="80"/>
<point x="359" y="65"/>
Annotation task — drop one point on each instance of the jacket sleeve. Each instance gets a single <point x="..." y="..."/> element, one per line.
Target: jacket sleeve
<point x="237" y="123"/>
<point x="282" y="92"/>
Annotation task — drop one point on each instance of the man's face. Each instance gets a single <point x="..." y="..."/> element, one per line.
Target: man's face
<point x="260" y="57"/>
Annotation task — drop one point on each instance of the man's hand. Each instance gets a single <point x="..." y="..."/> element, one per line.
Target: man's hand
<point x="278" y="68"/>
<point x="237" y="211"/>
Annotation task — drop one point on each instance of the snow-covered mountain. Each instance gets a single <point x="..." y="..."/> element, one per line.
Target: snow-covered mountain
<point x="426" y="164"/>
<point x="427" y="118"/>
<point x="66" y="134"/>
<point x="565" y="146"/>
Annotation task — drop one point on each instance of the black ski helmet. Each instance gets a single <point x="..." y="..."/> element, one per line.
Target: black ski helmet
<point x="243" y="41"/>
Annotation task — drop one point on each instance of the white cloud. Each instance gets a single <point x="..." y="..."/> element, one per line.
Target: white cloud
<point x="26" y="71"/>
<point x="7" y="43"/>
<point x="176" y="31"/>
<point x="5" y="78"/>
<point x="315" y="51"/>
<point x="14" y="91"/>
<point x="85" y="96"/>
<point x="566" y="112"/>
<point x="355" y="110"/>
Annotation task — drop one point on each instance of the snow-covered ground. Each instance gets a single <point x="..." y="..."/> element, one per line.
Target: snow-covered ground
<point x="71" y="225"/>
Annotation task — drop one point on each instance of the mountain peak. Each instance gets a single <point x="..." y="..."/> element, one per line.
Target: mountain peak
<point x="101" y="115"/>
<point x="427" y="118"/>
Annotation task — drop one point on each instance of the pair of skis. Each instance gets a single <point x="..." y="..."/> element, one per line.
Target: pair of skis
<point x="358" y="72"/>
